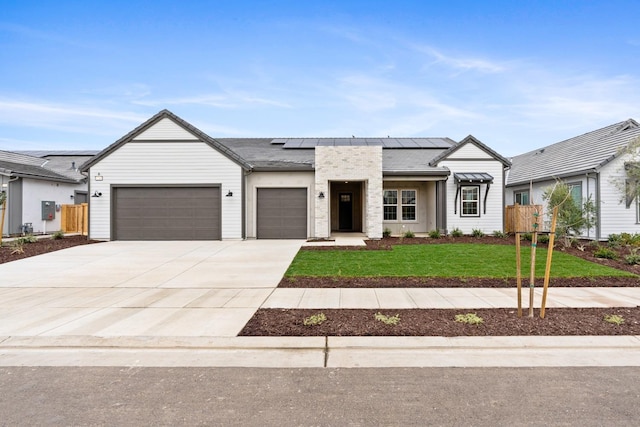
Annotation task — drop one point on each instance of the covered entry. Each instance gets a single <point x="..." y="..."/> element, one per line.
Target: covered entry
<point x="346" y="206"/>
<point x="166" y="213"/>
<point x="281" y="213"/>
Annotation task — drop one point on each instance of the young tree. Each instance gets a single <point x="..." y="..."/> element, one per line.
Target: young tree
<point x="573" y="216"/>
<point x="628" y="180"/>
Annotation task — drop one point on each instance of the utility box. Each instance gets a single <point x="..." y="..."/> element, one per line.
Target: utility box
<point x="48" y="210"/>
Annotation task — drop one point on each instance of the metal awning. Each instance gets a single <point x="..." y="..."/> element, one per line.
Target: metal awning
<point x="477" y="177"/>
<point x="472" y="178"/>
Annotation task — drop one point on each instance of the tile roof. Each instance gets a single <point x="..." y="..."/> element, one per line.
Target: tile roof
<point x="576" y="155"/>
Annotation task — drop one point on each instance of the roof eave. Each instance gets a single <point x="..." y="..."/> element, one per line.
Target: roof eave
<point x="552" y="178"/>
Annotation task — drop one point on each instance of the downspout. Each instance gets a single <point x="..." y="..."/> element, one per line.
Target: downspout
<point x="598" y="210"/>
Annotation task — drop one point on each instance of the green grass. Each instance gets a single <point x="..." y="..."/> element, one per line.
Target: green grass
<point x="451" y="260"/>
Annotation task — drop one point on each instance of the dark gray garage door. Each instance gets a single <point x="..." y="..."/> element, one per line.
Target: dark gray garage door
<point x="166" y="213"/>
<point x="282" y="213"/>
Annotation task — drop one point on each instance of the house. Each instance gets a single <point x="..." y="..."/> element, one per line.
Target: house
<point x="168" y="180"/>
<point x="37" y="184"/>
<point x="593" y="166"/>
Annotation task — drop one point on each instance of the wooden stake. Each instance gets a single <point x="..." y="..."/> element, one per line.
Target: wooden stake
<point x="532" y="277"/>
<point x="547" y="271"/>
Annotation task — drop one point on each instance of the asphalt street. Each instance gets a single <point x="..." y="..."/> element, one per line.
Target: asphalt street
<point x="319" y="397"/>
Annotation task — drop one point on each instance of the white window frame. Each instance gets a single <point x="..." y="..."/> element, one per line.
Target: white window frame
<point x="463" y="201"/>
<point x="387" y="205"/>
<point x="521" y="192"/>
<point x="399" y="205"/>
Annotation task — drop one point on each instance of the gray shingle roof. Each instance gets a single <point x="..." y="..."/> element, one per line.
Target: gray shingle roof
<point x="261" y="154"/>
<point x="32" y="171"/>
<point x="583" y="153"/>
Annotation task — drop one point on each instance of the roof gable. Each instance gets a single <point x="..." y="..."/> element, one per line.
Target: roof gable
<point x="470" y="140"/>
<point x="178" y="130"/>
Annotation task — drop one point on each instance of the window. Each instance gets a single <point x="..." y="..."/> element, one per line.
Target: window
<point x="408" y="205"/>
<point x="470" y="201"/>
<point x="521" y="197"/>
<point x="405" y="204"/>
<point x="576" y="193"/>
<point x="390" y="203"/>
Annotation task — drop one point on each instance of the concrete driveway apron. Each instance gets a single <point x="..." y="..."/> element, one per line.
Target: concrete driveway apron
<point x="152" y="289"/>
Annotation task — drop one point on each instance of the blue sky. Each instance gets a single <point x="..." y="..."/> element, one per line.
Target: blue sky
<point x="515" y="74"/>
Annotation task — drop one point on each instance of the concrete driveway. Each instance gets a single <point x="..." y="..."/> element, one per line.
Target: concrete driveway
<point x="152" y="289"/>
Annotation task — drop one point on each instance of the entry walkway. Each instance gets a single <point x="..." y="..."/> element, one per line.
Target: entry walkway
<point x="461" y="298"/>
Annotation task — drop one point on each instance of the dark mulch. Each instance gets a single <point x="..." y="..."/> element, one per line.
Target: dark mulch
<point x="437" y="322"/>
<point x="42" y="246"/>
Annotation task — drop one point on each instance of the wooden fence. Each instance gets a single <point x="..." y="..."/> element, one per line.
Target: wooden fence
<point x="520" y="218"/>
<point x="75" y="218"/>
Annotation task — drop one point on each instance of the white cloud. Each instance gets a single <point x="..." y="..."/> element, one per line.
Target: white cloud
<point x="461" y="63"/>
<point x="230" y="100"/>
<point x="66" y="117"/>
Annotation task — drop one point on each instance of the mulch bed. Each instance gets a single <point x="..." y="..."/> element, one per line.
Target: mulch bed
<point x="42" y="246"/>
<point x="440" y="322"/>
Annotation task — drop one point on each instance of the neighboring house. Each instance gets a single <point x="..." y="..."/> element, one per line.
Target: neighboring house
<point x="168" y="180"/>
<point x="37" y="184"/>
<point x="594" y="168"/>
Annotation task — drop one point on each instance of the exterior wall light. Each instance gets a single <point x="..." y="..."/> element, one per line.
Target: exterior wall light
<point x="321" y="195"/>
<point x="230" y="193"/>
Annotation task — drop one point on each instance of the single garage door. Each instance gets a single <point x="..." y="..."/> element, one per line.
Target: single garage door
<point x="166" y="213"/>
<point x="282" y="213"/>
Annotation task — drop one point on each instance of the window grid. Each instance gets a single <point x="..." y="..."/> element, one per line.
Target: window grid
<point x="406" y="205"/>
<point x="470" y="201"/>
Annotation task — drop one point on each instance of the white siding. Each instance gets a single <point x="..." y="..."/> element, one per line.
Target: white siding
<point x="490" y="221"/>
<point x="166" y="129"/>
<point x="470" y="151"/>
<point x="615" y="216"/>
<point x="35" y="191"/>
<point x="151" y="163"/>
<point x="277" y="180"/>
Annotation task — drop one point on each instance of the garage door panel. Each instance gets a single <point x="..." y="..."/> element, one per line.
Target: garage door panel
<point x="282" y="213"/>
<point x="167" y="213"/>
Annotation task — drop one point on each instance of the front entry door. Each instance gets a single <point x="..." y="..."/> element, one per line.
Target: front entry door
<point x="345" y="211"/>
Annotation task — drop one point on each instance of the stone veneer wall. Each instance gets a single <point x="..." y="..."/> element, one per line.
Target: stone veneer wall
<point x="349" y="164"/>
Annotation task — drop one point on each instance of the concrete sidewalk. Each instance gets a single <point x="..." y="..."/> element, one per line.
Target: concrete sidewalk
<point x="183" y="304"/>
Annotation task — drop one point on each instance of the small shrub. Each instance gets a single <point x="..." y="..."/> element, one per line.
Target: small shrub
<point x="527" y="236"/>
<point x="435" y="234"/>
<point x="499" y="234"/>
<point x="543" y="238"/>
<point x="633" y="258"/>
<point x="29" y="238"/>
<point x="605" y="253"/>
<point x="58" y="235"/>
<point x="614" y="319"/>
<point x="409" y="234"/>
<point x="388" y="320"/>
<point x="386" y="232"/>
<point x="469" y="319"/>
<point x="476" y="232"/>
<point x="456" y="232"/>
<point x="316" y="319"/>
<point x="614" y="240"/>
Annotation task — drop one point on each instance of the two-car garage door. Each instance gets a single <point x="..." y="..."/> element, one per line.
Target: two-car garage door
<point x="166" y="213"/>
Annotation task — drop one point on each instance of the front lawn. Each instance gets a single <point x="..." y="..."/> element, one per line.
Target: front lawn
<point x="450" y="260"/>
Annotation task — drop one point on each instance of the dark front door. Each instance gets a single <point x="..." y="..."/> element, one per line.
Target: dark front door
<point x="345" y="211"/>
